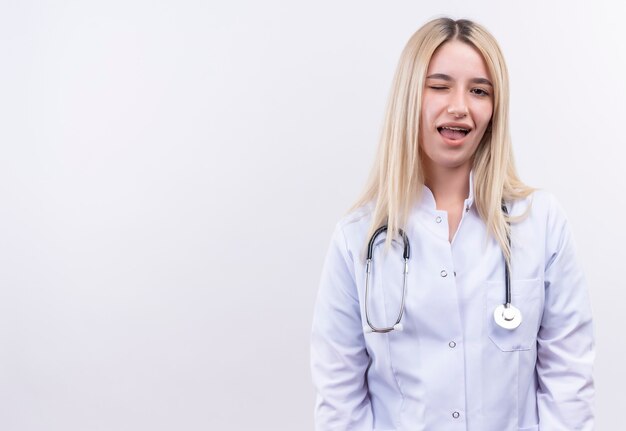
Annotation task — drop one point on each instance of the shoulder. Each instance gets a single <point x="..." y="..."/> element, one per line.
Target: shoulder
<point x="542" y="222"/>
<point x="542" y="207"/>
<point x="357" y="218"/>
<point x="352" y="228"/>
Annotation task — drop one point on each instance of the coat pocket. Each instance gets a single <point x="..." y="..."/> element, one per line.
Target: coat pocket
<point x="527" y="296"/>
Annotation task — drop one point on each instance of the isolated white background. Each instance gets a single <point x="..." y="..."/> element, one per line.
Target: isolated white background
<point x="171" y="172"/>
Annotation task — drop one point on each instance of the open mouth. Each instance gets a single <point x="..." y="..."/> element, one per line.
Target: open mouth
<point x="453" y="133"/>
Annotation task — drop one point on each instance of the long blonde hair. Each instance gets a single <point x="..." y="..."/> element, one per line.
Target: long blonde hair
<point x="396" y="179"/>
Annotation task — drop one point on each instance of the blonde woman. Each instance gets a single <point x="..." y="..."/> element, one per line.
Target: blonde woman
<point x="467" y="310"/>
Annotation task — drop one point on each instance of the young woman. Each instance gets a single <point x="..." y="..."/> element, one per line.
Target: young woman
<point x="467" y="310"/>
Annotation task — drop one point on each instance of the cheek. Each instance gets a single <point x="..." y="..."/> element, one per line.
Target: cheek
<point x="426" y="130"/>
<point x="487" y="115"/>
<point x="482" y="122"/>
<point x="427" y="118"/>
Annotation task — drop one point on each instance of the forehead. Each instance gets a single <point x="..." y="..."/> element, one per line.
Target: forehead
<point x="458" y="59"/>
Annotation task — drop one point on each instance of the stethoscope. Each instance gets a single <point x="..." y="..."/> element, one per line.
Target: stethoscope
<point x="506" y="315"/>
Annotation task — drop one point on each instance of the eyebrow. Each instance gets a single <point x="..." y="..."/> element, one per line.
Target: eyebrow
<point x="449" y="78"/>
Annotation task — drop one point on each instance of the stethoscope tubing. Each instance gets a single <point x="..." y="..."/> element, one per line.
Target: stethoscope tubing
<point x="406" y="255"/>
<point x="507" y="271"/>
<point x="505" y="315"/>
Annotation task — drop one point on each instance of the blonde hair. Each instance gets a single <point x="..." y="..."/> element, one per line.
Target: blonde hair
<point x="397" y="176"/>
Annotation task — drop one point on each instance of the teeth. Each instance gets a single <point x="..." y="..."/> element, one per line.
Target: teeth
<point x="455" y="128"/>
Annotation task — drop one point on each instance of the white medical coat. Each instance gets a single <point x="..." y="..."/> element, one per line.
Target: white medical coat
<point x="452" y="367"/>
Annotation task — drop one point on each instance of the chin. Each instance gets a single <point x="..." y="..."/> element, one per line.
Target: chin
<point x="449" y="163"/>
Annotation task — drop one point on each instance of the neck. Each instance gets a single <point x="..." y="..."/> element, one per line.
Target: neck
<point x="450" y="186"/>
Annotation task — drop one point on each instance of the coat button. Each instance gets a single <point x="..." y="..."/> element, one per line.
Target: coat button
<point x="452" y="344"/>
<point x="438" y="219"/>
<point x="456" y="415"/>
<point x="444" y="273"/>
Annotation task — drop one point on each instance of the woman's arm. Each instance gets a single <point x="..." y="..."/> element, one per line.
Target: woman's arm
<point x="338" y="357"/>
<point x="565" y="349"/>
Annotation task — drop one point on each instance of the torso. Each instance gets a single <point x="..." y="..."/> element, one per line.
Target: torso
<point x="417" y="375"/>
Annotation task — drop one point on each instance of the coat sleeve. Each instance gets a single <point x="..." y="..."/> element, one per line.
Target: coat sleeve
<point x="565" y="342"/>
<point x="339" y="359"/>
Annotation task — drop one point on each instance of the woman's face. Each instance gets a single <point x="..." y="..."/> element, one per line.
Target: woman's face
<point x="457" y="105"/>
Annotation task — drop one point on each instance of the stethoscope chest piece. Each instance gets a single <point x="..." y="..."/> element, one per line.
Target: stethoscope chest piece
<point x="507" y="316"/>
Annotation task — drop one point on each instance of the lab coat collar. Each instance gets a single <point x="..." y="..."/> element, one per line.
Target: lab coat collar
<point x="425" y="210"/>
<point x="427" y="200"/>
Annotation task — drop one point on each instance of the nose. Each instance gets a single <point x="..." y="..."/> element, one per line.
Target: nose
<point x="458" y="104"/>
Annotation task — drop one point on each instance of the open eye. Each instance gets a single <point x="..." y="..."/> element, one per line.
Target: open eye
<point x="479" y="92"/>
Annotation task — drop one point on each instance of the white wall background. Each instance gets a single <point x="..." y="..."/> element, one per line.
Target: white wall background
<point x="171" y="171"/>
